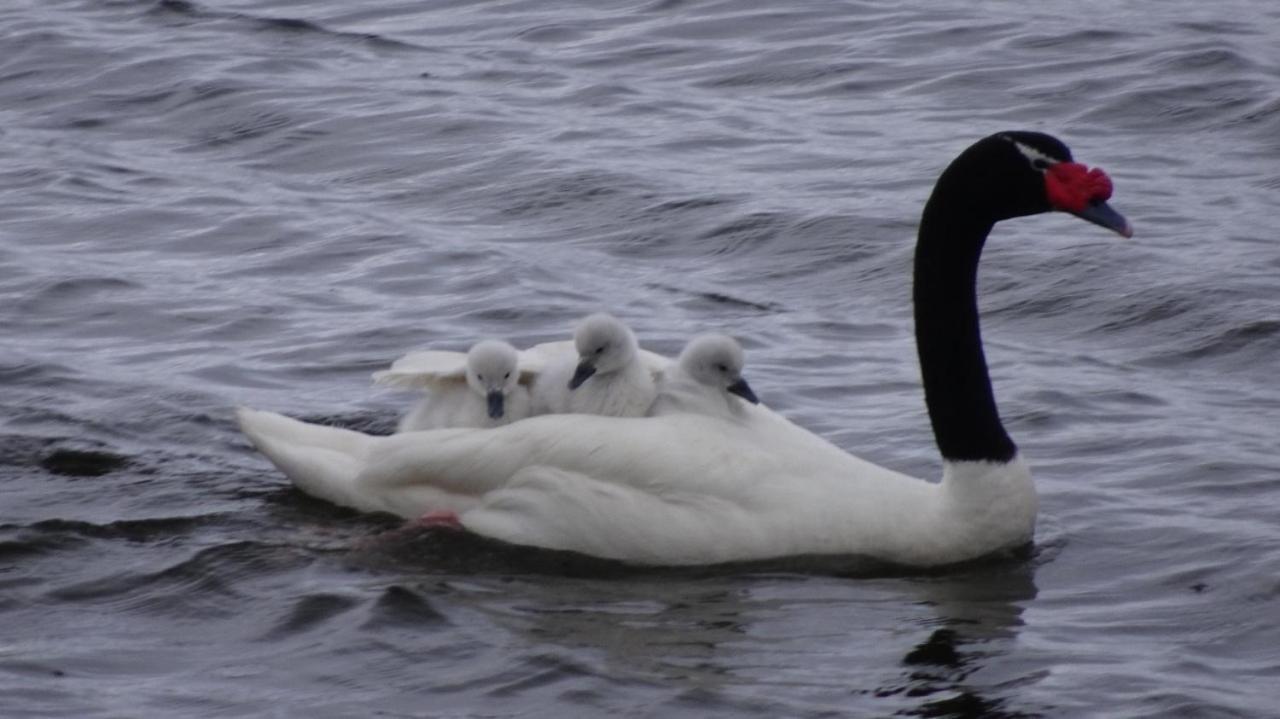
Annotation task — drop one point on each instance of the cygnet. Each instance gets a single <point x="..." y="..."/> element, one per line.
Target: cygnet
<point x="706" y="379"/>
<point x="607" y="376"/>
<point x="484" y="390"/>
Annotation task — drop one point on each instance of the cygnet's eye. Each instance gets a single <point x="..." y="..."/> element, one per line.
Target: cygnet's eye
<point x="506" y="376"/>
<point x="480" y="377"/>
<point x="722" y="367"/>
<point x="600" y="350"/>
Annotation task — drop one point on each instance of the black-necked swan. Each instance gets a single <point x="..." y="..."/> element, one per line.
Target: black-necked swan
<point x="605" y="376"/>
<point x="692" y="489"/>
<point x="480" y="389"/>
<point x="705" y="379"/>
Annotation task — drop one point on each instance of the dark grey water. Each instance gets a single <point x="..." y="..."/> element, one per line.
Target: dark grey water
<point x="206" y="204"/>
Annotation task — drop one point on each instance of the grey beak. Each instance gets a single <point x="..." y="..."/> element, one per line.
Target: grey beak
<point x="1101" y="214"/>
<point x="495" y="404"/>
<point x="743" y="390"/>
<point x="582" y="374"/>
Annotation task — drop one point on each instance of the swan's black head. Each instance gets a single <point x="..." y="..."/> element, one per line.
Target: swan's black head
<point x="1006" y="175"/>
<point x="1017" y="173"/>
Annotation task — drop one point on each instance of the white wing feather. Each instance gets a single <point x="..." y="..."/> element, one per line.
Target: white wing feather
<point x="424" y="370"/>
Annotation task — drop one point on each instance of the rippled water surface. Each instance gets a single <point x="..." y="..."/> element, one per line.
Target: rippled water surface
<point x="212" y="203"/>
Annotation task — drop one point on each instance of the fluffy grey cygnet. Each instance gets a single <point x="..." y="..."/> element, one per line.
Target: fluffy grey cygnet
<point x="491" y="395"/>
<point x="606" y="377"/>
<point x="706" y="379"/>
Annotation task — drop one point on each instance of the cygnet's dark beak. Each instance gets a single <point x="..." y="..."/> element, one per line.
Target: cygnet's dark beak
<point x="582" y="374"/>
<point x="495" y="404"/>
<point x="743" y="390"/>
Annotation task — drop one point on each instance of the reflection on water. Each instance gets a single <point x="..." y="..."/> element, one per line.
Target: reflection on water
<point x="699" y="636"/>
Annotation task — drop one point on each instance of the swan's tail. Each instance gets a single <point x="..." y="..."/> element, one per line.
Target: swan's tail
<point x="322" y="461"/>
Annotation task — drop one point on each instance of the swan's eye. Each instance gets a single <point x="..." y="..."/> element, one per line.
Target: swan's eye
<point x="1040" y="164"/>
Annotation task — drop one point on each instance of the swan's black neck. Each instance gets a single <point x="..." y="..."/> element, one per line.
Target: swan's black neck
<point x="957" y="387"/>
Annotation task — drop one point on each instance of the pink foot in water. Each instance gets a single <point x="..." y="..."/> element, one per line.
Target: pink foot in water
<point x="431" y="520"/>
<point x="442" y="518"/>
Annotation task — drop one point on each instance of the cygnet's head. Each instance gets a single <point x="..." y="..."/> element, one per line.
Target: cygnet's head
<point x="717" y="361"/>
<point x="604" y="345"/>
<point x="491" y="372"/>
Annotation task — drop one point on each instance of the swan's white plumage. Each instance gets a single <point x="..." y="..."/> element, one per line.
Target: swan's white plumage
<point x="678" y="489"/>
<point x="622" y="384"/>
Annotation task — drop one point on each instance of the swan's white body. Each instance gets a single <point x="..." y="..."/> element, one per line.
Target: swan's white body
<point x="678" y="489"/>
<point x="623" y="383"/>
